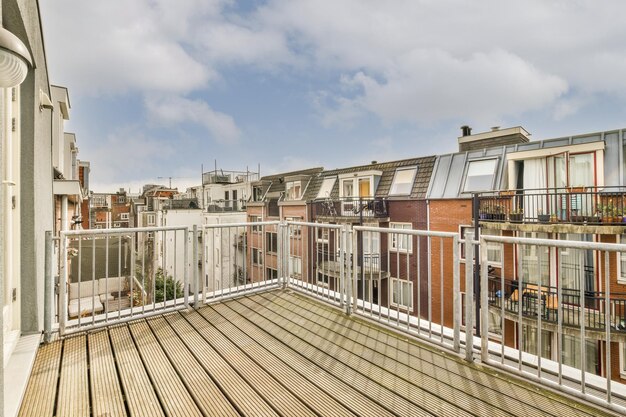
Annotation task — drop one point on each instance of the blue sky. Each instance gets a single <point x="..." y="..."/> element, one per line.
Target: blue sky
<point x="160" y="87"/>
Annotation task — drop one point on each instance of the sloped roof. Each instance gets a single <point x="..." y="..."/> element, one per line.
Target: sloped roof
<point x="422" y="178"/>
<point x="273" y="182"/>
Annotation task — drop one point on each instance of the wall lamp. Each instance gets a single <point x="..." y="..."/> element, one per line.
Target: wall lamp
<point x="14" y="59"/>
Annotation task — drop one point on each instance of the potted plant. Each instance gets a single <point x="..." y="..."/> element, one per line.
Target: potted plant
<point x="576" y="189"/>
<point x="499" y="213"/>
<point x="554" y="218"/>
<point x="517" y="215"/>
<point x="543" y="218"/>
<point x="596" y="217"/>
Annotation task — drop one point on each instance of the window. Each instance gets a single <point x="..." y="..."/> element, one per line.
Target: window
<point x="121" y="199"/>
<point x="295" y="230"/>
<point x="403" y="181"/>
<point x="150" y="219"/>
<point x="323" y="233"/>
<point x="295" y="266"/>
<point x="494" y="250"/>
<point x="293" y="190"/>
<point x="256" y="219"/>
<point x="347" y="187"/>
<point x="326" y="188"/>
<point x="257" y="193"/>
<point x="124" y="216"/>
<point x="271" y="273"/>
<point x="534" y="261"/>
<point x="271" y="242"/>
<point x="257" y="256"/>
<point x="401" y="242"/>
<point x="480" y="175"/>
<point x="401" y="293"/>
<point x="322" y="280"/>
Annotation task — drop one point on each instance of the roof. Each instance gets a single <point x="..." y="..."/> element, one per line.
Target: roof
<point x="273" y="353"/>
<point x="275" y="183"/>
<point x="422" y="179"/>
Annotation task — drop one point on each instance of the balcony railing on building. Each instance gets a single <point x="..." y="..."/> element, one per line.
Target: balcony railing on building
<point x="220" y="176"/>
<point x="369" y="207"/>
<point x="220" y="206"/>
<point x="572" y="205"/>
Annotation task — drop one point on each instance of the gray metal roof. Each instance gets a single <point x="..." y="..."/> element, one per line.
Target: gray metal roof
<point x="450" y="170"/>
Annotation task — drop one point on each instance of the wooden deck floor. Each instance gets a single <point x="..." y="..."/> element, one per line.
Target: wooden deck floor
<point x="270" y="354"/>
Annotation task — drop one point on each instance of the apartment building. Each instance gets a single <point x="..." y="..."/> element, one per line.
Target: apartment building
<point x="569" y="188"/>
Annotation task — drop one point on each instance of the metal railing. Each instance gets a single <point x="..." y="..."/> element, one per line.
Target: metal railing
<point x="220" y="206"/>
<point x="368" y="207"/>
<point x="410" y="280"/>
<point x="576" y="205"/>
<point x="552" y="324"/>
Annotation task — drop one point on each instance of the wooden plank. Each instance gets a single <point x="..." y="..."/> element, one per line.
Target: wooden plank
<point x="201" y="387"/>
<point x="40" y="394"/>
<point x="314" y="388"/>
<point x="73" y="385"/>
<point x="471" y="397"/>
<point x="106" y="392"/>
<point x="524" y="399"/>
<point x="140" y="396"/>
<point x="270" y="335"/>
<point x="320" y="401"/>
<point x="175" y="398"/>
<point x="247" y="401"/>
<point x="282" y="399"/>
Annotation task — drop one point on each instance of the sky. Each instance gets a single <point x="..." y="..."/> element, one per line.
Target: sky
<point x="162" y="88"/>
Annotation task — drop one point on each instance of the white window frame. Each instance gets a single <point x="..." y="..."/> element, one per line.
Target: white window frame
<point x="290" y="188"/>
<point x="259" y="256"/>
<point x="255" y="219"/>
<point x="462" y="229"/>
<point x="494" y="246"/>
<point x="467" y="171"/>
<point x="393" y="238"/>
<point x="327" y="187"/>
<point x="621" y="279"/>
<point x="324" y="281"/>
<point x="402" y="282"/>
<point x="124" y="216"/>
<point x="394" y="184"/>
<point x="325" y="231"/>
<point x="151" y="219"/>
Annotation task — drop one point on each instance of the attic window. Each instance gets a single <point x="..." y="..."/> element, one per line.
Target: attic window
<point x="326" y="188"/>
<point x="480" y="175"/>
<point x="293" y="190"/>
<point x="403" y="181"/>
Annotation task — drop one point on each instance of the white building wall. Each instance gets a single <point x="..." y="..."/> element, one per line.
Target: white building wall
<point x="222" y="255"/>
<point x="172" y="249"/>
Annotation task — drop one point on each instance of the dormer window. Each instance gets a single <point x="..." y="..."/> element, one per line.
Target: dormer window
<point x="326" y="188"/>
<point x="403" y="181"/>
<point x="480" y="175"/>
<point x="293" y="190"/>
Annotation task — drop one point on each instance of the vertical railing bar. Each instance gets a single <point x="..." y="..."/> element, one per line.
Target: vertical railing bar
<point x="63" y="284"/>
<point x="502" y="323"/>
<point x="80" y="270"/>
<point x="398" y="279"/>
<point x="441" y="322"/>
<point x="430" y="291"/>
<point x="228" y="247"/>
<point x="213" y="264"/>
<point x="186" y="267"/>
<point x="119" y="269"/>
<point x="342" y="260"/>
<point x="410" y="305"/>
<point x="93" y="280"/>
<point x="194" y="262"/>
<point x="456" y="296"/>
<point x="143" y="273"/>
<point x="106" y="275"/>
<point x="132" y="270"/>
<point x="583" y="323"/>
<point x="48" y="287"/>
<point x="175" y="276"/>
<point x="559" y="342"/>
<point x="371" y="274"/>
<point x="419" y="287"/>
<point x="354" y="285"/>
<point x="469" y="297"/>
<point x="607" y="325"/>
<point x="539" y="311"/>
<point x="247" y="232"/>
<point x="484" y="300"/>
<point x="520" y="333"/>
<point x="164" y="267"/>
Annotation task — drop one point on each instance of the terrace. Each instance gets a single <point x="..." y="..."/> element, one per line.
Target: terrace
<point x="570" y="208"/>
<point x="350" y="208"/>
<point x="283" y="345"/>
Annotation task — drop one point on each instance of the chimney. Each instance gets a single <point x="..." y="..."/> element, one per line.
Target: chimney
<point x="466" y="130"/>
<point x="493" y="138"/>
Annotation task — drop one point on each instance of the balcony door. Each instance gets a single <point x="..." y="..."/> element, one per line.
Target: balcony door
<point x="364" y="188"/>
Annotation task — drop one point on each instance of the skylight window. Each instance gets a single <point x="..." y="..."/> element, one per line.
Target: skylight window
<point x="403" y="181"/>
<point x="326" y="188"/>
<point x="480" y="175"/>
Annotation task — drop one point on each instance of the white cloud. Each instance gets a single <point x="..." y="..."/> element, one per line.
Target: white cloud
<point x="172" y="110"/>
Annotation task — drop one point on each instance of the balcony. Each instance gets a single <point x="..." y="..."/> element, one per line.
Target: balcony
<point x="544" y="301"/>
<point x="221" y="206"/>
<point x="351" y="208"/>
<point x="571" y="205"/>
<point x="220" y="176"/>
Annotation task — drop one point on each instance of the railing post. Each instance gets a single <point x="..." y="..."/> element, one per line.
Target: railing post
<point x="469" y="297"/>
<point x="342" y="265"/>
<point x="353" y="287"/>
<point x="456" y="294"/>
<point x="195" y="278"/>
<point x="286" y="253"/>
<point x="484" y="302"/>
<point x="63" y="275"/>
<point x="49" y="288"/>
<point x="476" y="215"/>
<point x="186" y="268"/>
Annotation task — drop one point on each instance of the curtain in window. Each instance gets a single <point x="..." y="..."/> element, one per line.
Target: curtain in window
<point x="535" y="178"/>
